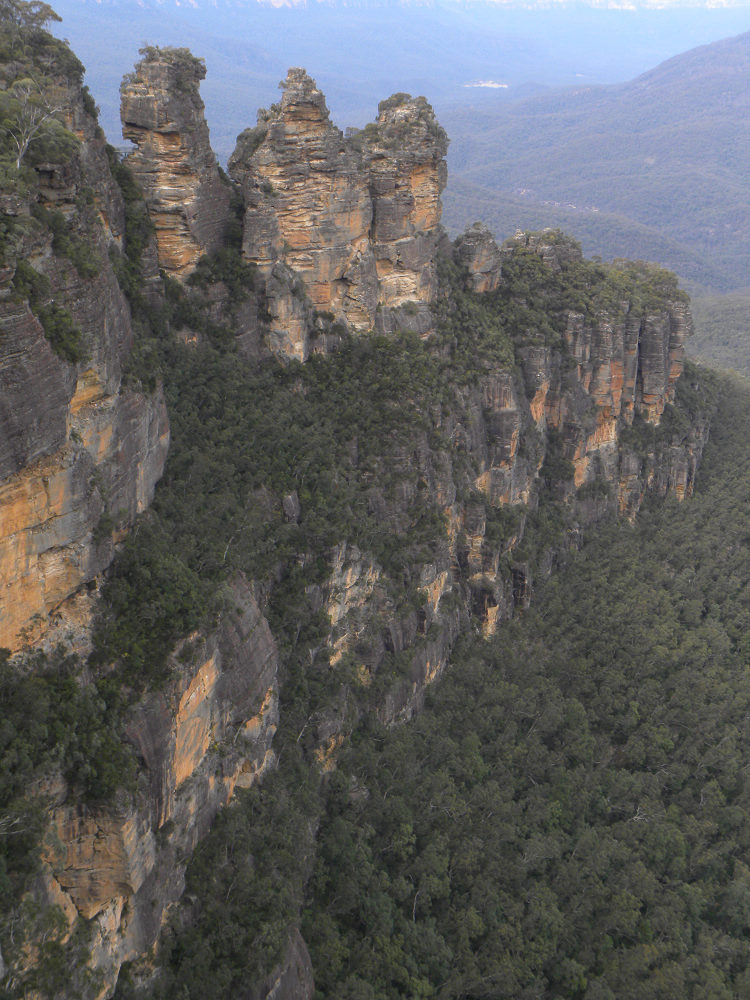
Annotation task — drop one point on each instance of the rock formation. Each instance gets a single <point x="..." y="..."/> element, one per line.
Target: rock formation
<point x="404" y="152"/>
<point x="356" y="220"/>
<point x="308" y="207"/>
<point x="478" y="252"/>
<point x="627" y="363"/>
<point x="80" y="454"/>
<point x="344" y="232"/>
<point x="209" y="732"/>
<point x="162" y="114"/>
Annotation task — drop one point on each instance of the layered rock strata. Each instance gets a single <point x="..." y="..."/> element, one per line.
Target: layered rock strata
<point x="342" y="230"/>
<point x="477" y="251"/>
<point x="210" y="731"/>
<point x="163" y="115"/>
<point x="620" y="367"/>
<point x="79" y="454"/>
<point x="354" y="220"/>
<point x="404" y="154"/>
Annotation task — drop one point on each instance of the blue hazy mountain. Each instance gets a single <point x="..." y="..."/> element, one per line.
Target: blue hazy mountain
<point x="359" y="53"/>
<point x="655" y="168"/>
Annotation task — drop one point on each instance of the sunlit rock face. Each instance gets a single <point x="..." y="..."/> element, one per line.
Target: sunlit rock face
<point x="163" y="115"/>
<point x="210" y="731"/>
<point x="79" y="453"/>
<point x="355" y="219"/>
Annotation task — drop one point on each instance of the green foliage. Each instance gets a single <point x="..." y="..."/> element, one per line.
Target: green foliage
<point x="248" y="876"/>
<point x="65" y="338"/>
<point x="228" y="267"/>
<point x="36" y="64"/>
<point x="152" y="598"/>
<point x="394" y="101"/>
<point x="67" y="243"/>
<point x="51" y="720"/>
<point x="722" y="330"/>
<point x="556" y="470"/>
<point x="569" y="815"/>
<point x="251" y="139"/>
<point x="399" y="900"/>
<point x="474" y="335"/>
<point x="188" y="69"/>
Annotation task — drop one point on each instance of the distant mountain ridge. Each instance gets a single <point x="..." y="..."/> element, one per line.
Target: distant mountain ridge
<point x="364" y="50"/>
<point x="656" y="167"/>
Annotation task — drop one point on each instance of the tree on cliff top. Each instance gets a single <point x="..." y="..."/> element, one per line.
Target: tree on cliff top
<point x="33" y="65"/>
<point x="27" y="111"/>
<point x="26" y="14"/>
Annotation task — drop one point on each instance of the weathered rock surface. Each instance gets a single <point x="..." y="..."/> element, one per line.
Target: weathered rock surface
<point x="210" y="731"/>
<point x="162" y="114"/>
<point x="78" y="452"/>
<point x="356" y="219"/>
<point x="404" y="152"/>
<point x="292" y="980"/>
<point x="308" y="205"/>
<point x="478" y="252"/>
<point x="343" y="231"/>
<point x="626" y="366"/>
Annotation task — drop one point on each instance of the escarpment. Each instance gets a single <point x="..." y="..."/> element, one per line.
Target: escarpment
<point x="80" y="452"/>
<point x="209" y="732"/>
<point x="352" y="516"/>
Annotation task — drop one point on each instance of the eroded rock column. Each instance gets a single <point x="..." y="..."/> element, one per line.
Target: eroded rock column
<point x="163" y="115"/>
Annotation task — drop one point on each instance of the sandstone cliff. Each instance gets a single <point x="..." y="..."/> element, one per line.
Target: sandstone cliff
<point x="80" y="453"/>
<point x="542" y="398"/>
<point x="121" y="867"/>
<point x="162" y="114"/>
<point x="355" y="219"/>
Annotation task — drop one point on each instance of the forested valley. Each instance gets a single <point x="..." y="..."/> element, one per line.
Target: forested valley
<point x="568" y="817"/>
<point x="397" y="664"/>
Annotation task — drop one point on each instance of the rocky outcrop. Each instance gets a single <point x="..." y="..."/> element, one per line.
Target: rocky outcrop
<point x="404" y="152"/>
<point x="344" y="232"/>
<point x="79" y="453"/>
<point x="477" y="251"/>
<point x="209" y="732"/>
<point x="292" y="979"/>
<point x="619" y="367"/>
<point x="163" y="115"/>
<point x="355" y="219"/>
<point x="307" y="204"/>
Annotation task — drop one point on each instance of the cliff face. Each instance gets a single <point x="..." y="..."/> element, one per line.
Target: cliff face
<point x="209" y="732"/>
<point x="404" y="153"/>
<point x="162" y="114"/>
<point x="344" y="233"/>
<point x="354" y="219"/>
<point x="79" y="453"/>
<point x="618" y="366"/>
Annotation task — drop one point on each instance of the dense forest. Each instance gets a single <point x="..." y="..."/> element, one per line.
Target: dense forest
<point x="566" y="816"/>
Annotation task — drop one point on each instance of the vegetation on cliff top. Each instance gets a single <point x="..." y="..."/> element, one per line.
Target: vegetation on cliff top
<point x="334" y="433"/>
<point x="340" y="443"/>
<point x="569" y="815"/>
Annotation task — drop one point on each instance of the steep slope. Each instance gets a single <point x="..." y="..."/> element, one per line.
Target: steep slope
<point x="356" y="219"/>
<point x="569" y="817"/>
<point x="80" y="452"/>
<point x="323" y="532"/>
<point x="173" y="163"/>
